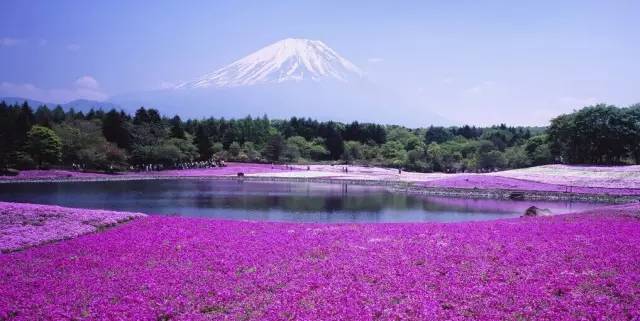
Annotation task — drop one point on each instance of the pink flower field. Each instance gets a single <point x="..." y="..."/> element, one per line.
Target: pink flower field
<point x="25" y="225"/>
<point x="52" y="174"/>
<point x="232" y="169"/>
<point x="614" y="177"/>
<point x="567" y="267"/>
<point x="478" y="181"/>
<point x="613" y="180"/>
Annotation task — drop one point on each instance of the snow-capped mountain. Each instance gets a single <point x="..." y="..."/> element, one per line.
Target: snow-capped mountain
<point x="283" y="61"/>
<point x="291" y="77"/>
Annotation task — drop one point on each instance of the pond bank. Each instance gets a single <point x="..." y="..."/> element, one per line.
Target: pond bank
<point x="592" y="195"/>
<point x="537" y="183"/>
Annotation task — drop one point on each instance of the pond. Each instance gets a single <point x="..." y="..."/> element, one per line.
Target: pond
<point x="272" y="201"/>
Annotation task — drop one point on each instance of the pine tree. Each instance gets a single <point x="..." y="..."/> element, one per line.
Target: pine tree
<point x="203" y="143"/>
<point x="115" y="130"/>
<point x="177" y="131"/>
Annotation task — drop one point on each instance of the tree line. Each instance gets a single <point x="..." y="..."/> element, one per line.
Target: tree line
<point x="116" y="140"/>
<point x="600" y="134"/>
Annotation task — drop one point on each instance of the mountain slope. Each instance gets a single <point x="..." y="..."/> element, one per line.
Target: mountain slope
<point x="286" y="60"/>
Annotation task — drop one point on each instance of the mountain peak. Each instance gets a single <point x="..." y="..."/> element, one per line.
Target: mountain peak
<point x="289" y="59"/>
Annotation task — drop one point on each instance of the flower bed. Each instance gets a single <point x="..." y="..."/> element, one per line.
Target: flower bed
<point x="484" y="181"/>
<point x="25" y="225"/>
<point x="52" y="174"/>
<point x="232" y="169"/>
<point x="621" y="180"/>
<point x="580" y="176"/>
<point x="568" y="267"/>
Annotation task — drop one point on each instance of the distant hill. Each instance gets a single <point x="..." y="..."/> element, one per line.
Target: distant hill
<point x="83" y="105"/>
<point x="19" y="101"/>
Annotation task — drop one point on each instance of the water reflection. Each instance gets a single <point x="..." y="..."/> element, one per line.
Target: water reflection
<point x="278" y="201"/>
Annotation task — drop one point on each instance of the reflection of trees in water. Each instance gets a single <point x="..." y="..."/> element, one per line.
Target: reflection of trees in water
<point x="471" y="205"/>
<point x="310" y="200"/>
<point x="351" y="202"/>
<point x="296" y="203"/>
<point x="288" y="197"/>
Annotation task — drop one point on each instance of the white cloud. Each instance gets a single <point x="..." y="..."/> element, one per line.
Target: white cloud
<point x="10" y="42"/>
<point x="73" y="47"/>
<point x="375" y="60"/>
<point x="85" y="87"/>
<point x="87" y="82"/>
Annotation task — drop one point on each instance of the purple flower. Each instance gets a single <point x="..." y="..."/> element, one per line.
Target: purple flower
<point x="25" y="225"/>
<point x="484" y="181"/>
<point x="566" y="267"/>
<point x="232" y="169"/>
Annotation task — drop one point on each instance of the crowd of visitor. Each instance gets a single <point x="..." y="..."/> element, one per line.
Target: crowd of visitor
<point x="212" y="163"/>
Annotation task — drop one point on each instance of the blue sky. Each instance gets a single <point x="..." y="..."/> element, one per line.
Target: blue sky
<point x="478" y="62"/>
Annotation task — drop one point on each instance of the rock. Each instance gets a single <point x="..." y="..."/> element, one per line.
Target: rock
<point x="516" y="195"/>
<point x="9" y="172"/>
<point x="536" y="211"/>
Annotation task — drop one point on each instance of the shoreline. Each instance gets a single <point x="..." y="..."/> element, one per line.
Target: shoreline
<point x="395" y="186"/>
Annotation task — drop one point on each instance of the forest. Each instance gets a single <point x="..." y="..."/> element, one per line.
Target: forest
<point x="114" y="140"/>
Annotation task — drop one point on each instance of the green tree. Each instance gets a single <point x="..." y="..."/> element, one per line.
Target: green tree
<point x="600" y="134"/>
<point x="437" y="134"/>
<point x="235" y="149"/>
<point x="43" y="116"/>
<point x="298" y="145"/>
<point x="83" y="143"/>
<point x="487" y="157"/>
<point x="435" y="155"/>
<point x="250" y="151"/>
<point x="43" y="145"/>
<point x="292" y="152"/>
<point x="393" y="153"/>
<point x="274" y="147"/>
<point x="353" y="151"/>
<point x="188" y="151"/>
<point x="538" y="150"/>
<point x="417" y="159"/>
<point x="23" y="122"/>
<point x="177" y="131"/>
<point x="451" y="155"/>
<point x="333" y="139"/>
<point x="517" y="157"/>
<point x="203" y="144"/>
<point x="401" y="135"/>
<point x="500" y="137"/>
<point x="115" y="129"/>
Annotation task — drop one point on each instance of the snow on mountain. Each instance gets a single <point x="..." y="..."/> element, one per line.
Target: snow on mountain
<point x="292" y="77"/>
<point x="286" y="60"/>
